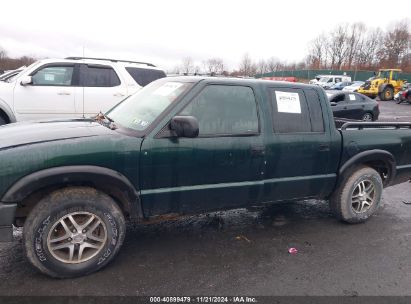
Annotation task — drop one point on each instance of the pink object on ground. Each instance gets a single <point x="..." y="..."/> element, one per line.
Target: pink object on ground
<point x="292" y="250"/>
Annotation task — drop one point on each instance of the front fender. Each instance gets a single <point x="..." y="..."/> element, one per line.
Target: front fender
<point x="107" y="180"/>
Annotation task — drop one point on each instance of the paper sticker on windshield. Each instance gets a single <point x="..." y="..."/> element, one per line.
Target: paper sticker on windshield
<point x="140" y="122"/>
<point x="288" y="102"/>
<point x="167" y="88"/>
<point x="49" y="77"/>
<point x="352" y="96"/>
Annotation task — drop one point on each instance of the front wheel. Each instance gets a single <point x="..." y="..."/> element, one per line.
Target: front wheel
<point x="358" y="196"/>
<point x="387" y="94"/>
<point x="73" y="232"/>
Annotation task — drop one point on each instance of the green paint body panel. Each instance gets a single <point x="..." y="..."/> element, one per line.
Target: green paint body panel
<point x="193" y="175"/>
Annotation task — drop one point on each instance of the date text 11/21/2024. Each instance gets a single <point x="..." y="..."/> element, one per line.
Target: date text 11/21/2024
<point x="205" y="299"/>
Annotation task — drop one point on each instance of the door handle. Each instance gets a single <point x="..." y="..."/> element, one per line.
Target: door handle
<point x="324" y="147"/>
<point x="63" y="93"/>
<point x="257" y="150"/>
<point x="119" y="95"/>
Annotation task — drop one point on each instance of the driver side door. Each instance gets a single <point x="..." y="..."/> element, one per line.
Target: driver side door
<point x="219" y="169"/>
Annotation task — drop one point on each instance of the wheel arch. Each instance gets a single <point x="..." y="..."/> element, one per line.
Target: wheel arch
<point x="6" y="110"/>
<point x="29" y="189"/>
<point x="380" y="160"/>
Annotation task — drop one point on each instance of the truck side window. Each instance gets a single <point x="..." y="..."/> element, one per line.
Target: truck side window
<point x="316" y="113"/>
<point x="224" y="110"/>
<point x="289" y="111"/>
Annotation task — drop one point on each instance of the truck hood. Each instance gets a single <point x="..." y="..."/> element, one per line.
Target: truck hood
<point x="27" y="133"/>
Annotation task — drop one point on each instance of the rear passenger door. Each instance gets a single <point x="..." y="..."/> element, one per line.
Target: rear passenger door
<point x="101" y="89"/>
<point x="298" y="150"/>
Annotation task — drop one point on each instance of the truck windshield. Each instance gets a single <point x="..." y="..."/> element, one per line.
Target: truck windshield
<point x="324" y="79"/>
<point x="141" y="109"/>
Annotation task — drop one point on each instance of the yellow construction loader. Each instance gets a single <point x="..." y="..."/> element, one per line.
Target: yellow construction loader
<point x="385" y="85"/>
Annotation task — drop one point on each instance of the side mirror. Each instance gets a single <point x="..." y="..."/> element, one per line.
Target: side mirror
<point x="26" y="80"/>
<point x="184" y="126"/>
<point x="333" y="103"/>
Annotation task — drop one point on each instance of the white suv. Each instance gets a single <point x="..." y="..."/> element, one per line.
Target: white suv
<point x="71" y="87"/>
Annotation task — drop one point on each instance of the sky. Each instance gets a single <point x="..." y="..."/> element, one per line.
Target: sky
<point x="164" y="32"/>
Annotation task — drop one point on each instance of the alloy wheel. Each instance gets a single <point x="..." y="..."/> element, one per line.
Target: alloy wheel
<point x="363" y="196"/>
<point x="77" y="237"/>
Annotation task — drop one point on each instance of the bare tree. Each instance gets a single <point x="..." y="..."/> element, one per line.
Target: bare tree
<point x="369" y="48"/>
<point x="3" y="56"/>
<point x="397" y="43"/>
<point x="354" y="39"/>
<point x="214" y="66"/>
<point x="273" y="64"/>
<point x="262" y="67"/>
<point x="337" y="46"/>
<point x="187" y="65"/>
<point x="247" y="68"/>
<point x="317" y="54"/>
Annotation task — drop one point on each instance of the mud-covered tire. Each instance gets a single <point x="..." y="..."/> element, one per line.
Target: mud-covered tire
<point x="44" y="221"/>
<point x="343" y="201"/>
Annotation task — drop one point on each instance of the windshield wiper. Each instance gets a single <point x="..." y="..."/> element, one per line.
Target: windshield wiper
<point x="106" y="121"/>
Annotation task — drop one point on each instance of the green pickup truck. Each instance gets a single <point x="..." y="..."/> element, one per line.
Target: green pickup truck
<point x="186" y="145"/>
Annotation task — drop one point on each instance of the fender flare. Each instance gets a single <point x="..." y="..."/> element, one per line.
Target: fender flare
<point x="370" y="156"/>
<point x="106" y="180"/>
<point x="6" y="109"/>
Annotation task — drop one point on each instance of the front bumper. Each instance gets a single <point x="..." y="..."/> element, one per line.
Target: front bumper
<point x="7" y="212"/>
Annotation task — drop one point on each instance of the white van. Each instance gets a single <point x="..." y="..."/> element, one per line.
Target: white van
<point x="328" y="81"/>
<point x="316" y="79"/>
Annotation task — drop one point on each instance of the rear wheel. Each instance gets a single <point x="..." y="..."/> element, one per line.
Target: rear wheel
<point x="73" y="232"/>
<point x="367" y="117"/>
<point x="358" y="196"/>
<point x="387" y="94"/>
